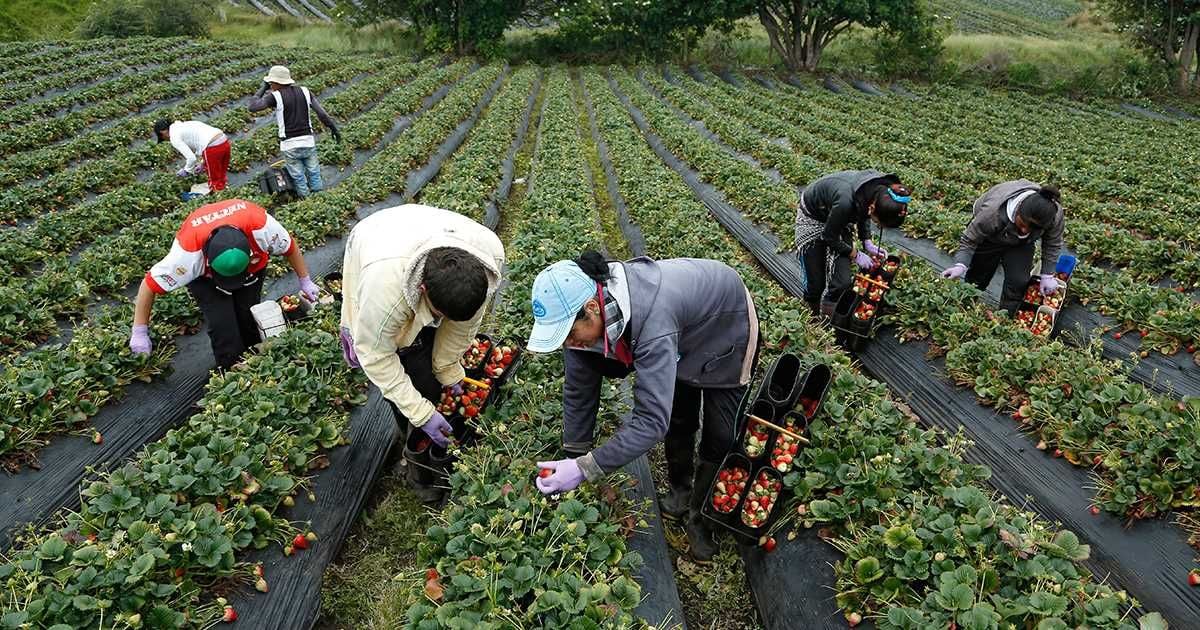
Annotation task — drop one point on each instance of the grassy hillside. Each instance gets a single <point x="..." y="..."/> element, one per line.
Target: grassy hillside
<point x="40" y="19"/>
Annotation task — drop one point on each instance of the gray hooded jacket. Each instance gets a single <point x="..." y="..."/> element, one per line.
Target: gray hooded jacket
<point x="687" y="320"/>
<point x="991" y="228"/>
<point x="830" y="199"/>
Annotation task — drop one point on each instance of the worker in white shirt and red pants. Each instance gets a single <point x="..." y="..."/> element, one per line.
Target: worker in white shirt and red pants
<point x="220" y="254"/>
<point x="292" y="104"/>
<point x="195" y="140"/>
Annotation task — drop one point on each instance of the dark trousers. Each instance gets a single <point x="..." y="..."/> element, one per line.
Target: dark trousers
<point x="718" y="431"/>
<point x="1017" y="262"/>
<point x="417" y="360"/>
<point x="815" y="259"/>
<point x="231" y="326"/>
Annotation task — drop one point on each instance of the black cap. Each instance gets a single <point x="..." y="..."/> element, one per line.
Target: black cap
<point x="228" y="254"/>
<point x="160" y="125"/>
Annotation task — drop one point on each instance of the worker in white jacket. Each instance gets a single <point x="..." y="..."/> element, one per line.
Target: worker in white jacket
<point x="415" y="282"/>
<point x="202" y="147"/>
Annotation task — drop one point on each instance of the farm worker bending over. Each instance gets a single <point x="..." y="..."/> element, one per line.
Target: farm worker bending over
<point x="830" y="210"/>
<point x="220" y="254"/>
<point x="1008" y="219"/>
<point x="202" y="145"/>
<point x="296" y="140"/>
<point x="687" y="327"/>
<point x="415" y="283"/>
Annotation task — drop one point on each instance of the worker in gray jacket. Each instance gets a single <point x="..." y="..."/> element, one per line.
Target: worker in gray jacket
<point x="292" y="104"/>
<point x="689" y="330"/>
<point x="1008" y="220"/>
<point x="832" y="211"/>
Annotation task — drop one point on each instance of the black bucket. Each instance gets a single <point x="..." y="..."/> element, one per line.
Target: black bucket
<point x="816" y="385"/>
<point x="781" y="384"/>
<point x="417" y="457"/>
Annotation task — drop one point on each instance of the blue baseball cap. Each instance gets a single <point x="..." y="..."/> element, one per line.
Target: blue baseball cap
<point x="559" y="291"/>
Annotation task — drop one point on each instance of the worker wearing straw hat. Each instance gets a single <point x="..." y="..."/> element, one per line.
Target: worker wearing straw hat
<point x="292" y="104"/>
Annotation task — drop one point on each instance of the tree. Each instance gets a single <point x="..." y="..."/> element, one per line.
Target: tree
<point x="465" y="27"/>
<point x="801" y="29"/>
<point x="1168" y="30"/>
<point x="654" y="27"/>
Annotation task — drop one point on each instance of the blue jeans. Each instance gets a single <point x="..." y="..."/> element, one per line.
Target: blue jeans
<point x="305" y="170"/>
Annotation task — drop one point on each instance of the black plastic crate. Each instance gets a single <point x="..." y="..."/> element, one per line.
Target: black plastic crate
<point x="332" y="284"/>
<point x="732" y="520"/>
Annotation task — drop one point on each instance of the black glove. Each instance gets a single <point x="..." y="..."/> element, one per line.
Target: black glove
<point x="337" y="135"/>
<point x="262" y="89"/>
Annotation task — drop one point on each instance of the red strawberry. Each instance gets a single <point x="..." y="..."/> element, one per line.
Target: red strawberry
<point x="1194" y="577"/>
<point x="300" y="542"/>
<point x="545" y="472"/>
<point x="1097" y="460"/>
<point x="431" y="574"/>
<point x="230" y="615"/>
<point x="258" y="570"/>
<point x="1116" y="335"/>
<point x="853" y="619"/>
<point x="1095" y="510"/>
<point x="1191" y="348"/>
<point x="769" y="544"/>
<point x="1058" y="452"/>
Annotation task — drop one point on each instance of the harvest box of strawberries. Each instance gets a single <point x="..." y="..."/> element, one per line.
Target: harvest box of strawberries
<point x="488" y="364"/>
<point x="857" y="310"/>
<point x="1038" y="312"/>
<point x="748" y="487"/>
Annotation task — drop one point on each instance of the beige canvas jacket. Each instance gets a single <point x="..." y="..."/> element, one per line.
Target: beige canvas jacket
<point x="384" y="307"/>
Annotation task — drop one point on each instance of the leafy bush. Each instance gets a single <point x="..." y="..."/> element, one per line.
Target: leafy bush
<point x="157" y="18"/>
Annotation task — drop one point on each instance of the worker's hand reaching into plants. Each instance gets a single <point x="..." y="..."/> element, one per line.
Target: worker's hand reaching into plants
<point x="558" y="476"/>
<point x="955" y="272"/>
<point x="456" y="389"/>
<point x="139" y="340"/>
<point x="438" y="429"/>
<point x="309" y="289"/>
<point x="348" y="348"/>
<point x="863" y="261"/>
<point x="198" y="168"/>
<point x="1049" y="284"/>
<point x="183" y="172"/>
<point x="874" y="249"/>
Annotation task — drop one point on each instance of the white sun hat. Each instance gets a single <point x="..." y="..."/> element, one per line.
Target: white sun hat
<point x="280" y="75"/>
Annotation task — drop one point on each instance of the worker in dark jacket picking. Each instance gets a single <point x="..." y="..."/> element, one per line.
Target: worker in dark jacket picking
<point x="220" y="254"/>
<point x="1008" y="220"/>
<point x="689" y="330"/>
<point x="832" y="211"/>
<point x="292" y="104"/>
<point x="203" y="147"/>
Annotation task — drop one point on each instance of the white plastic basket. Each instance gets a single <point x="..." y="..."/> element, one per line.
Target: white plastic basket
<point x="269" y="317"/>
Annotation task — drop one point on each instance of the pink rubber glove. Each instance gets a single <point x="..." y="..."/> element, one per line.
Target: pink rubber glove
<point x="1049" y="284"/>
<point x="954" y="272"/>
<point x="438" y="429"/>
<point x="139" y="340"/>
<point x="863" y="261"/>
<point x="567" y="476"/>
<point x="874" y="249"/>
<point x="348" y="348"/>
<point x="309" y="288"/>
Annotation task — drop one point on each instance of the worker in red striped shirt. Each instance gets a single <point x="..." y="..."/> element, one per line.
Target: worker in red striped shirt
<point x="220" y="254"/>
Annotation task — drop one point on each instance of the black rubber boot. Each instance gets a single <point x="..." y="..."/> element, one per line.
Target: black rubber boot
<point x="681" y="468"/>
<point x="700" y="536"/>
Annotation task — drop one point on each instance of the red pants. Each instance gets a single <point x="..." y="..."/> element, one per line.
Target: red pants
<point x="216" y="162"/>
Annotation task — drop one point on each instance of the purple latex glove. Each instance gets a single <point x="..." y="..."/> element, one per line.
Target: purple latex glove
<point x="183" y="172"/>
<point x="1049" y="284"/>
<point x="139" y="340"/>
<point x="309" y="288"/>
<point x="863" y="261"/>
<point x="438" y="429"/>
<point x="348" y="348"/>
<point x="567" y="476"/>
<point x="198" y="168"/>
<point x="874" y="249"/>
<point x="955" y="272"/>
<point x="456" y="389"/>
